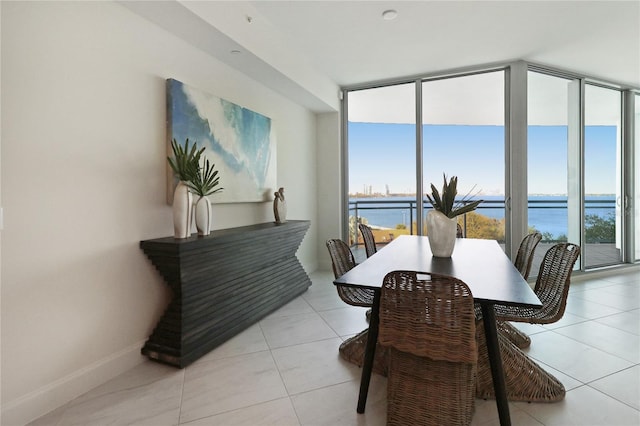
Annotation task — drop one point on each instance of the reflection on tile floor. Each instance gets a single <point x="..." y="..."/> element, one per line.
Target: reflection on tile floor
<point x="286" y="370"/>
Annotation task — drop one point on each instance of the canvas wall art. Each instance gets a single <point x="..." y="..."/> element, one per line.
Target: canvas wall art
<point x="240" y="142"/>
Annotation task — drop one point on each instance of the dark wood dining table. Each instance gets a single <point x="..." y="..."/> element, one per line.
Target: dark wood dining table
<point x="481" y="264"/>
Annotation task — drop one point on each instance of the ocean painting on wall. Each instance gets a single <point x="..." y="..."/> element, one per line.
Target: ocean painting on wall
<point x="240" y="142"/>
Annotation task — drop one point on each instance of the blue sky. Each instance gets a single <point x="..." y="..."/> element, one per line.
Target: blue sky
<point x="384" y="154"/>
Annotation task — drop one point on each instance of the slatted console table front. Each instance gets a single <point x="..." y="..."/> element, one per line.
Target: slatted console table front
<point x="222" y="283"/>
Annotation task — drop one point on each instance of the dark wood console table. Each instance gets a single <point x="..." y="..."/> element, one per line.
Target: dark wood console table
<point x="222" y="284"/>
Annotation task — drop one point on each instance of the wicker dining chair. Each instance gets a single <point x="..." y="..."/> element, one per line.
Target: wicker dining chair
<point x="523" y="262"/>
<point x="525" y="380"/>
<point x="459" y="231"/>
<point x="369" y="241"/>
<point x="524" y="258"/>
<point x="552" y="288"/>
<point x="427" y="322"/>
<point x="352" y="349"/>
<point x="342" y="261"/>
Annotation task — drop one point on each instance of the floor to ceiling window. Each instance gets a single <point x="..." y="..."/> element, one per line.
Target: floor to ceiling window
<point x="382" y="160"/>
<point x="403" y="137"/>
<point x="464" y="136"/>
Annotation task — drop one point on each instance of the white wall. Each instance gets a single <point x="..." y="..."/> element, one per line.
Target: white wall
<point x="83" y="175"/>
<point x="329" y="179"/>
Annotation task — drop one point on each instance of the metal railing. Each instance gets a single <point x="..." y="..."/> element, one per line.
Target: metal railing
<point x="359" y="209"/>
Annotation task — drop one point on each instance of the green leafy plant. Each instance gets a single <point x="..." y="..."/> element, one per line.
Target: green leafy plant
<point x="600" y="229"/>
<point x="185" y="162"/>
<point x="447" y="202"/>
<point x="205" y="180"/>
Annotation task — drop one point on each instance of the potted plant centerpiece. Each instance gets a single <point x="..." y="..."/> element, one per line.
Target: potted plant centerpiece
<point x="203" y="183"/>
<point x="185" y="163"/>
<point x="441" y="221"/>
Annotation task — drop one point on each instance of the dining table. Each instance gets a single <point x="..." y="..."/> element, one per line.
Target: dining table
<point x="479" y="263"/>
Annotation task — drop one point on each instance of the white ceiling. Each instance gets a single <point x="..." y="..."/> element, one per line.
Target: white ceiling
<point x="308" y="49"/>
<point x="351" y="43"/>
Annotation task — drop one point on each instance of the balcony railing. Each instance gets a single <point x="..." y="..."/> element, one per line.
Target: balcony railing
<point x="386" y="214"/>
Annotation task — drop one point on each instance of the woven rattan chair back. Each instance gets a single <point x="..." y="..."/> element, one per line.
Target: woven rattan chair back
<point x="428" y="323"/>
<point x="342" y="261"/>
<point x="369" y="241"/>
<point x="524" y="258"/>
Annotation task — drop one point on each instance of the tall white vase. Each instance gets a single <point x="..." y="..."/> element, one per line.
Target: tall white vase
<point x="182" y="211"/>
<point x="203" y="216"/>
<point x="441" y="231"/>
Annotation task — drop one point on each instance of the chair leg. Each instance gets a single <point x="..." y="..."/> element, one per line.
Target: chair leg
<point x="524" y="379"/>
<point x="352" y="350"/>
<point x="517" y="337"/>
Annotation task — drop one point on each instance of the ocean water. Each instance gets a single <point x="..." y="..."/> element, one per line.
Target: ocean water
<point x="548" y="213"/>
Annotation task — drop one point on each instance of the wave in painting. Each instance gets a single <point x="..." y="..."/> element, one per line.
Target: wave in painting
<point x="240" y="142"/>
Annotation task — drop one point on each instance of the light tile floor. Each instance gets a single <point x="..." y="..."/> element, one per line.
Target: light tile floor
<point x="285" y="370"/>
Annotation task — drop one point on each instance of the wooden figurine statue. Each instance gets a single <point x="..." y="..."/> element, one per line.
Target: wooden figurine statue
<point x="280" y="206"/>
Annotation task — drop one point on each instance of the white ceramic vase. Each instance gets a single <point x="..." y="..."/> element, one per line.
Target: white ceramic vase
<point x="203" y="216"/>
<point x="441" y="231"/>
<point x="182" y="211"/>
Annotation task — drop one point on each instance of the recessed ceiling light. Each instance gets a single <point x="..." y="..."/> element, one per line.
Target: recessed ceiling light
<point x="235" y="52"/>
<point x="389" y="15"/>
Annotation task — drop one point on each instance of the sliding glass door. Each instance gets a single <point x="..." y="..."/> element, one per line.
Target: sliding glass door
<point x="602" y="177"/>
<point x="575" y="166"/>
<point x="553" y="161"/>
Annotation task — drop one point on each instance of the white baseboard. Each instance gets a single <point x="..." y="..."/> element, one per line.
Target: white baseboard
<point x="36" y="404"/>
